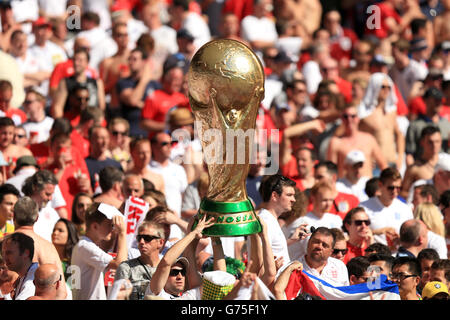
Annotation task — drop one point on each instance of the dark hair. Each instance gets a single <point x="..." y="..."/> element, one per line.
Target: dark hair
<point x="23" y="241"/>
<point x="326" y="232"/>
<point x="413" y="264"/>
<point x="91" y="16"/>
<point x="82" y="50"/>
<point x="274" y="183"/>
<point x="417" y="24"/>
<point x="77" y="197"/>
<point x="429" y="130"/>
<point x="338" y="234"/>
<point x="5" y="85"/>
<point x="93" y="215"/>
<point x="72" y="237"/>
<point x="357" y="266"/>
<point x="91" y="113"/>
<point x="108" y="176"/>
<point x="8" y="189"/>
<point x="37" y="182"/>
<point x="389" y="174"/>
<point x="371" y="187"/>
<point x="6" y="122"/>
<point x="387" y="258"/>
<point x="61" y="125"/>
<point x="379" y="248"/>
<point x="349" y="216"/>
<point x="182" y="3"/>
<point x="144" y="54"/>
<point x="154" y="211"/>
<point x="331" y="167"/>
<point x="442" y="264"/>
<point x="444" y="199"/>
<point x="148" y="185"/>
<point x="299" y="208"/>
<point x="311" y="152"/>
<point x="428" y="254"/>
<point x="429" y="190"/>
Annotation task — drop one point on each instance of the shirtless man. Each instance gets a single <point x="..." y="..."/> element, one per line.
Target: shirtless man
<point x="424" y="168"/>
<point x="383" y="126"/>
<point x="26" y="213"/>
<point x="116" y="67"/>
<point x="11" y="152"/>
<point x="141" y="154"/>
<point x="362" y="53"/>
<point x="353" y="138"/>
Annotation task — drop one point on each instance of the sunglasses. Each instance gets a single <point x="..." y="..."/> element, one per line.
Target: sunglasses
<point x="20" y="136"/>
<point x="28" y="102"/>
<point x="392" y="188"/>
<point x="175" y="272"/>
<point x="82" y="98"/>
<point x="360" y="222"/>
<point x="166" y="143"/>
<point x="146" y="237"/>
<point x="116" y="133"/>
<point x="348" y="116"/>
<point x="385" y="87"/>
<point x="342" y="251"/>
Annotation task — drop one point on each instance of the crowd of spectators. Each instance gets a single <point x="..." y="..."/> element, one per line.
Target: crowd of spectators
<point x="94" y="95"/>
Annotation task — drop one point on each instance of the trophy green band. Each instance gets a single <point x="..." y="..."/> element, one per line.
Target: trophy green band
<point x="231" y="218"/>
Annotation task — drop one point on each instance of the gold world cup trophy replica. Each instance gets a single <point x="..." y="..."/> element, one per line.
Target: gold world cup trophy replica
<point x="226" y="87"/>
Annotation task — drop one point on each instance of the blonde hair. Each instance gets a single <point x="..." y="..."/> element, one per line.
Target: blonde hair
<point x="431" y="216"/>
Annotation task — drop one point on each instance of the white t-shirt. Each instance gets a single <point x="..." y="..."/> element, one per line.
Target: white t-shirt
<point x="357" y="189"/>
<point x="193" y="294"/>
<point x="26" y="286"/>
<point x="165" y="39"/>
<point x="46" y="222"/>
<point x="198" y="27"/>
<point x="381" y="216"/>
<point x="437" y="243"/>
<point x="228" y="245"/>
<point x="28" y="65"/>
<point x="276" y="236"/>
<point x="335" y="271"/>
<point x="328" y="220"/>
<point x="254" y="29"/>
<point x="92" y="261"/>
<point x="40" y="129"/>
<point x="53" y="7"/>
<point x="311" y="71"/>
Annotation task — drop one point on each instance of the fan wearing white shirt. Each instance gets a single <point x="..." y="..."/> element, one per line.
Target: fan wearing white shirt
<point x="386" y="212"/>
<point x="278" y="196"/>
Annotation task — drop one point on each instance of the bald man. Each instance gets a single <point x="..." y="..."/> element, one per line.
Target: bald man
<point x="413" y="238"/>
<point x="133" y="186"/>
<point x="47" y="280"/>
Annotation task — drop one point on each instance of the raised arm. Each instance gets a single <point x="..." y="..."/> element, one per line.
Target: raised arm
<point x="161" y="274"/>
<point x="283" y="280"/>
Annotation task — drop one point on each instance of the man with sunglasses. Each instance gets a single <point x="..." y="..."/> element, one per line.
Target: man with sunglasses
<point x="356" y="224"/>
<point x="150" y="240"/>
<point x="341" y="147"/>
<point x="386" y="212"/>
<point x="406" y="274"/>
<point x="38" y="124"/>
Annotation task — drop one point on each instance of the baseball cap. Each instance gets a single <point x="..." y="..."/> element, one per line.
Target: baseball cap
<point x="282" y="57"/>
<point x="183" y="261"/>
<point x="25" y="161"/>
<point x="180" y="117"/>
<point x="354" y="157"/>
<point x="432" y="288"/>
<point x="176" y="60"/>
<point x="41" y="22"/>
<point x="184" y="33"/>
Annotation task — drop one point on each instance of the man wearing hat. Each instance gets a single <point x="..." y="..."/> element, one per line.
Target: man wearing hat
<point x="433" y="102"/>
<point x="46" y="52"/>
<point x="185" y="42"/>
<point x="435" y="290"/>
<point x="353" y="182"/>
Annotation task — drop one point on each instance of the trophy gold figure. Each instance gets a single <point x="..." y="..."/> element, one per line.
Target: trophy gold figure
<point x="226" y="87"/>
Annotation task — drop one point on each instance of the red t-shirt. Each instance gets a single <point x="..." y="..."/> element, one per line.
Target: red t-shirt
<point x="160" y="102"/>
<point x="17" y="115"/>
<point x="80" y="143"/>
<point x="417" y="106"/>
<point x="40" y="152"/>
<point x="342" y="46"/>
<point x="64" y="70"/>
<point x="345" y="88"/>
<point x="385" y="11"/>
<point x="353" y="252"/>
<point x="68" y="182"/>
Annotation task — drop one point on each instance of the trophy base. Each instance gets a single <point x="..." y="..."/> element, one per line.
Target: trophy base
<point x="232" y="219"/>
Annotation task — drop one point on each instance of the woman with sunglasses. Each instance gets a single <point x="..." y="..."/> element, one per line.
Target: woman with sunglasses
<point x="356" y="224"/>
